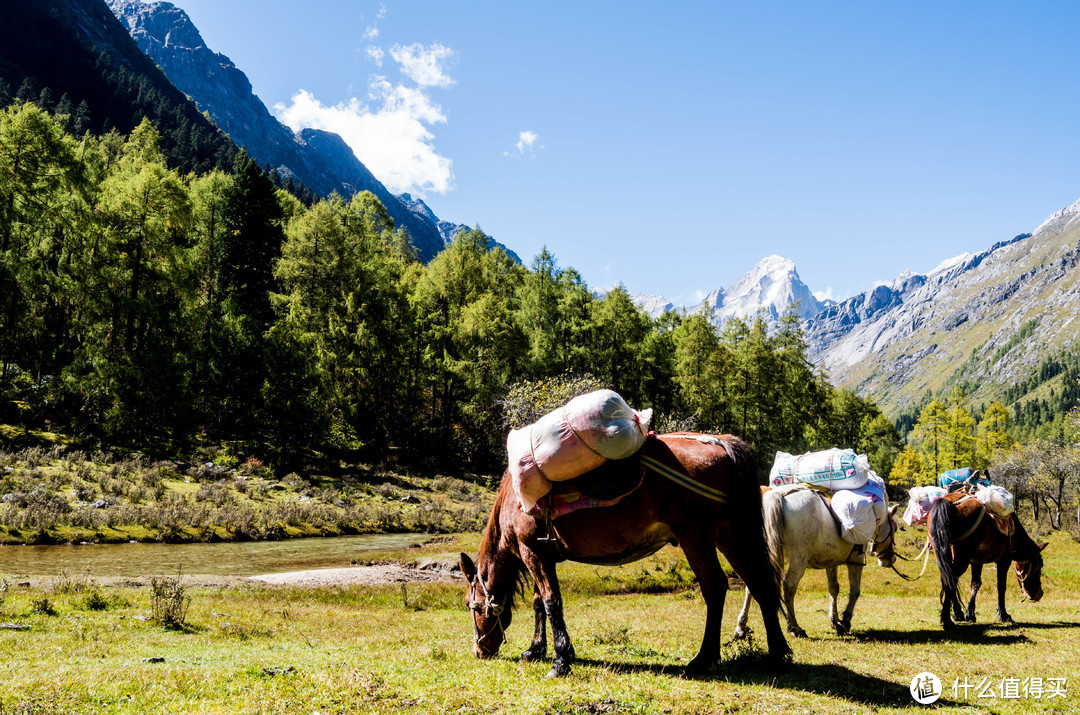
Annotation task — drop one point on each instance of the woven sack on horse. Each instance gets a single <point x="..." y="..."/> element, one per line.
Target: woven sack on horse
<point x="572" y="440"/>
<point x="964" y="476"/>
<point x="998" y="500"/>
<point x="832" y="469"/>
<point x="920" y="499"/>
<point x="861" y="510"/>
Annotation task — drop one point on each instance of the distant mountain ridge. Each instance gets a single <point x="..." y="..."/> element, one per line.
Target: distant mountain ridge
<point x="320" y="160"/>
<point x="961" y="324"/>
<point x="983" y="321"/>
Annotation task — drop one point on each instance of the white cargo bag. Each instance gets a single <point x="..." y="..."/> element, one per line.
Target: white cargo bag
<point x="832" y="468"/>
<point x="997" y="499"/>
<point x="862" y="510"/>
<point x="572" y="440"/>
<point x="920" y="499"/>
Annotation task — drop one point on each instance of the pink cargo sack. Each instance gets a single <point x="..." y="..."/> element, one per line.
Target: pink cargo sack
<point x="572" y="440"/>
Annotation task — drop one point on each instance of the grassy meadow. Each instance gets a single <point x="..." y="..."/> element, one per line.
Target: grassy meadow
<point x="76" y="645"/>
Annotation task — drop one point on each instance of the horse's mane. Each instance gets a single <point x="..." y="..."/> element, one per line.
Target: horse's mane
<point x="502" y="559"/>
<point x="1022" y="539"/>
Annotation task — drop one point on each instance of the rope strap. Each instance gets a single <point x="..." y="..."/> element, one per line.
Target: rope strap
<point x="974" y="526"/>
<point x="682" y="479"/>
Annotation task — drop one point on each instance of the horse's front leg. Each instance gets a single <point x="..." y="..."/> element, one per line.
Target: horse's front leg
<point x="538" y="649"/>
<point x="701" y="554"/>
<point x="976" y="584"/>
<point x="546" y="580"/>
<point x="854" y="575"/>
<point x="1004" y="566"/>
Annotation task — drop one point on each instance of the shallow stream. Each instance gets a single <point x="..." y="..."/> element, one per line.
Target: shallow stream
<point x="232" y="559"/>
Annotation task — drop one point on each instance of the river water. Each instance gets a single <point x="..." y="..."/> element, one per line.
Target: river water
<point x="233" y="559"/>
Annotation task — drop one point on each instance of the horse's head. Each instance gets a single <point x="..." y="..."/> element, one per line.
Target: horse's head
<point x="1029" y="573"/>
<point x="885" y="539"/>
<point x="490" y="613"/>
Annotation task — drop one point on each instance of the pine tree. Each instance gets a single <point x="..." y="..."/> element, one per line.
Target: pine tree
<point x="932" y="432"/>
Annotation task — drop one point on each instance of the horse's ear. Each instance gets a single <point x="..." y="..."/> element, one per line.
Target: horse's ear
<point x="468" y="567"/>
<point x="892" y="509"/>
<point x="1043" y="546"/>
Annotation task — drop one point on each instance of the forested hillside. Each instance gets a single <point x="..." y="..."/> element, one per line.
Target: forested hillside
<point x="74" y="57"/>
<point x="164" y="310"/>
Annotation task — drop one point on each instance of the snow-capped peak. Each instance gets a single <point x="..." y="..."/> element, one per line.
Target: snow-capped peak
<point x="769" y="288"/>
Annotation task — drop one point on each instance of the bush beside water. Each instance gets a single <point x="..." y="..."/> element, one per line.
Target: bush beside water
<point x="59" y="494"/>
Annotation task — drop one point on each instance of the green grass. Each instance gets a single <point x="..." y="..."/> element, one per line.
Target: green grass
<point x="259" y="649"/>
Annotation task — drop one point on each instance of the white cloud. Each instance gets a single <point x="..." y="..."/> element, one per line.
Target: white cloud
<point x="424" y="65"/>
<point x="528" y="144"/>
<point x="390" y="130"/>
<point x="391" y="137"/>
<point x="372" y="30"/>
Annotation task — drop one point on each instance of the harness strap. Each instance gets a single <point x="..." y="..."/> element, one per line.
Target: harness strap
<point x="683" y="479"/>
<point x="974" y="526"/>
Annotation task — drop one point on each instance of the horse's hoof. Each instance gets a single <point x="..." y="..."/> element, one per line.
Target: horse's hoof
<point x="779" y="661"/>
<point x="842" y="630"/>
<point x="559" y="669"/>
<point x="531" y="656"/>
<point x="1005" y="618"/>
<point x="741" y="632"/>
<point x="797" y="632"/>
<point x="697" y="668"/>
<point x="948" y="626"/>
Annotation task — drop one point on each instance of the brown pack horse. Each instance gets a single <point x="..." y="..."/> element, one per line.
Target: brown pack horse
<point x="963" y="533"/>
<point x="661" y="511"/>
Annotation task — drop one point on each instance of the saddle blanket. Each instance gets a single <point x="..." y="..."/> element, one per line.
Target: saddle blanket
<point x="577" y="494"/>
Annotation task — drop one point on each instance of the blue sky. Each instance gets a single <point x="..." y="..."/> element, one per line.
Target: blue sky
<point x="672" y="146"/>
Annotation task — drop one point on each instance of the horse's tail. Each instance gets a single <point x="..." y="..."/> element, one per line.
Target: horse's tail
<point x="772" y="509"/>
<point x="942" y="519"/>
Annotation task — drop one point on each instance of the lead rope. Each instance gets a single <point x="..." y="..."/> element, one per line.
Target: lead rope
<point x="926" y="562"/>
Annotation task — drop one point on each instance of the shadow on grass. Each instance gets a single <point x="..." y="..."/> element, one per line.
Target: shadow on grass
<point x="831" y="680"/>
<point x="975" y="633"/>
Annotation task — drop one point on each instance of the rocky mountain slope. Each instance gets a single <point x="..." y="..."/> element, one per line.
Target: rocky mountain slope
<point x="984" y="321"/>
<point x="321" y="160"/>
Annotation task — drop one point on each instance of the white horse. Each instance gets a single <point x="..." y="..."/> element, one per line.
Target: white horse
<point x="802" y="529"/>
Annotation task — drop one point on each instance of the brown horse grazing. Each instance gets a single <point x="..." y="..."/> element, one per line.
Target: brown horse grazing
<point x="661" y="511"/>
<point x="963" y="532"/>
